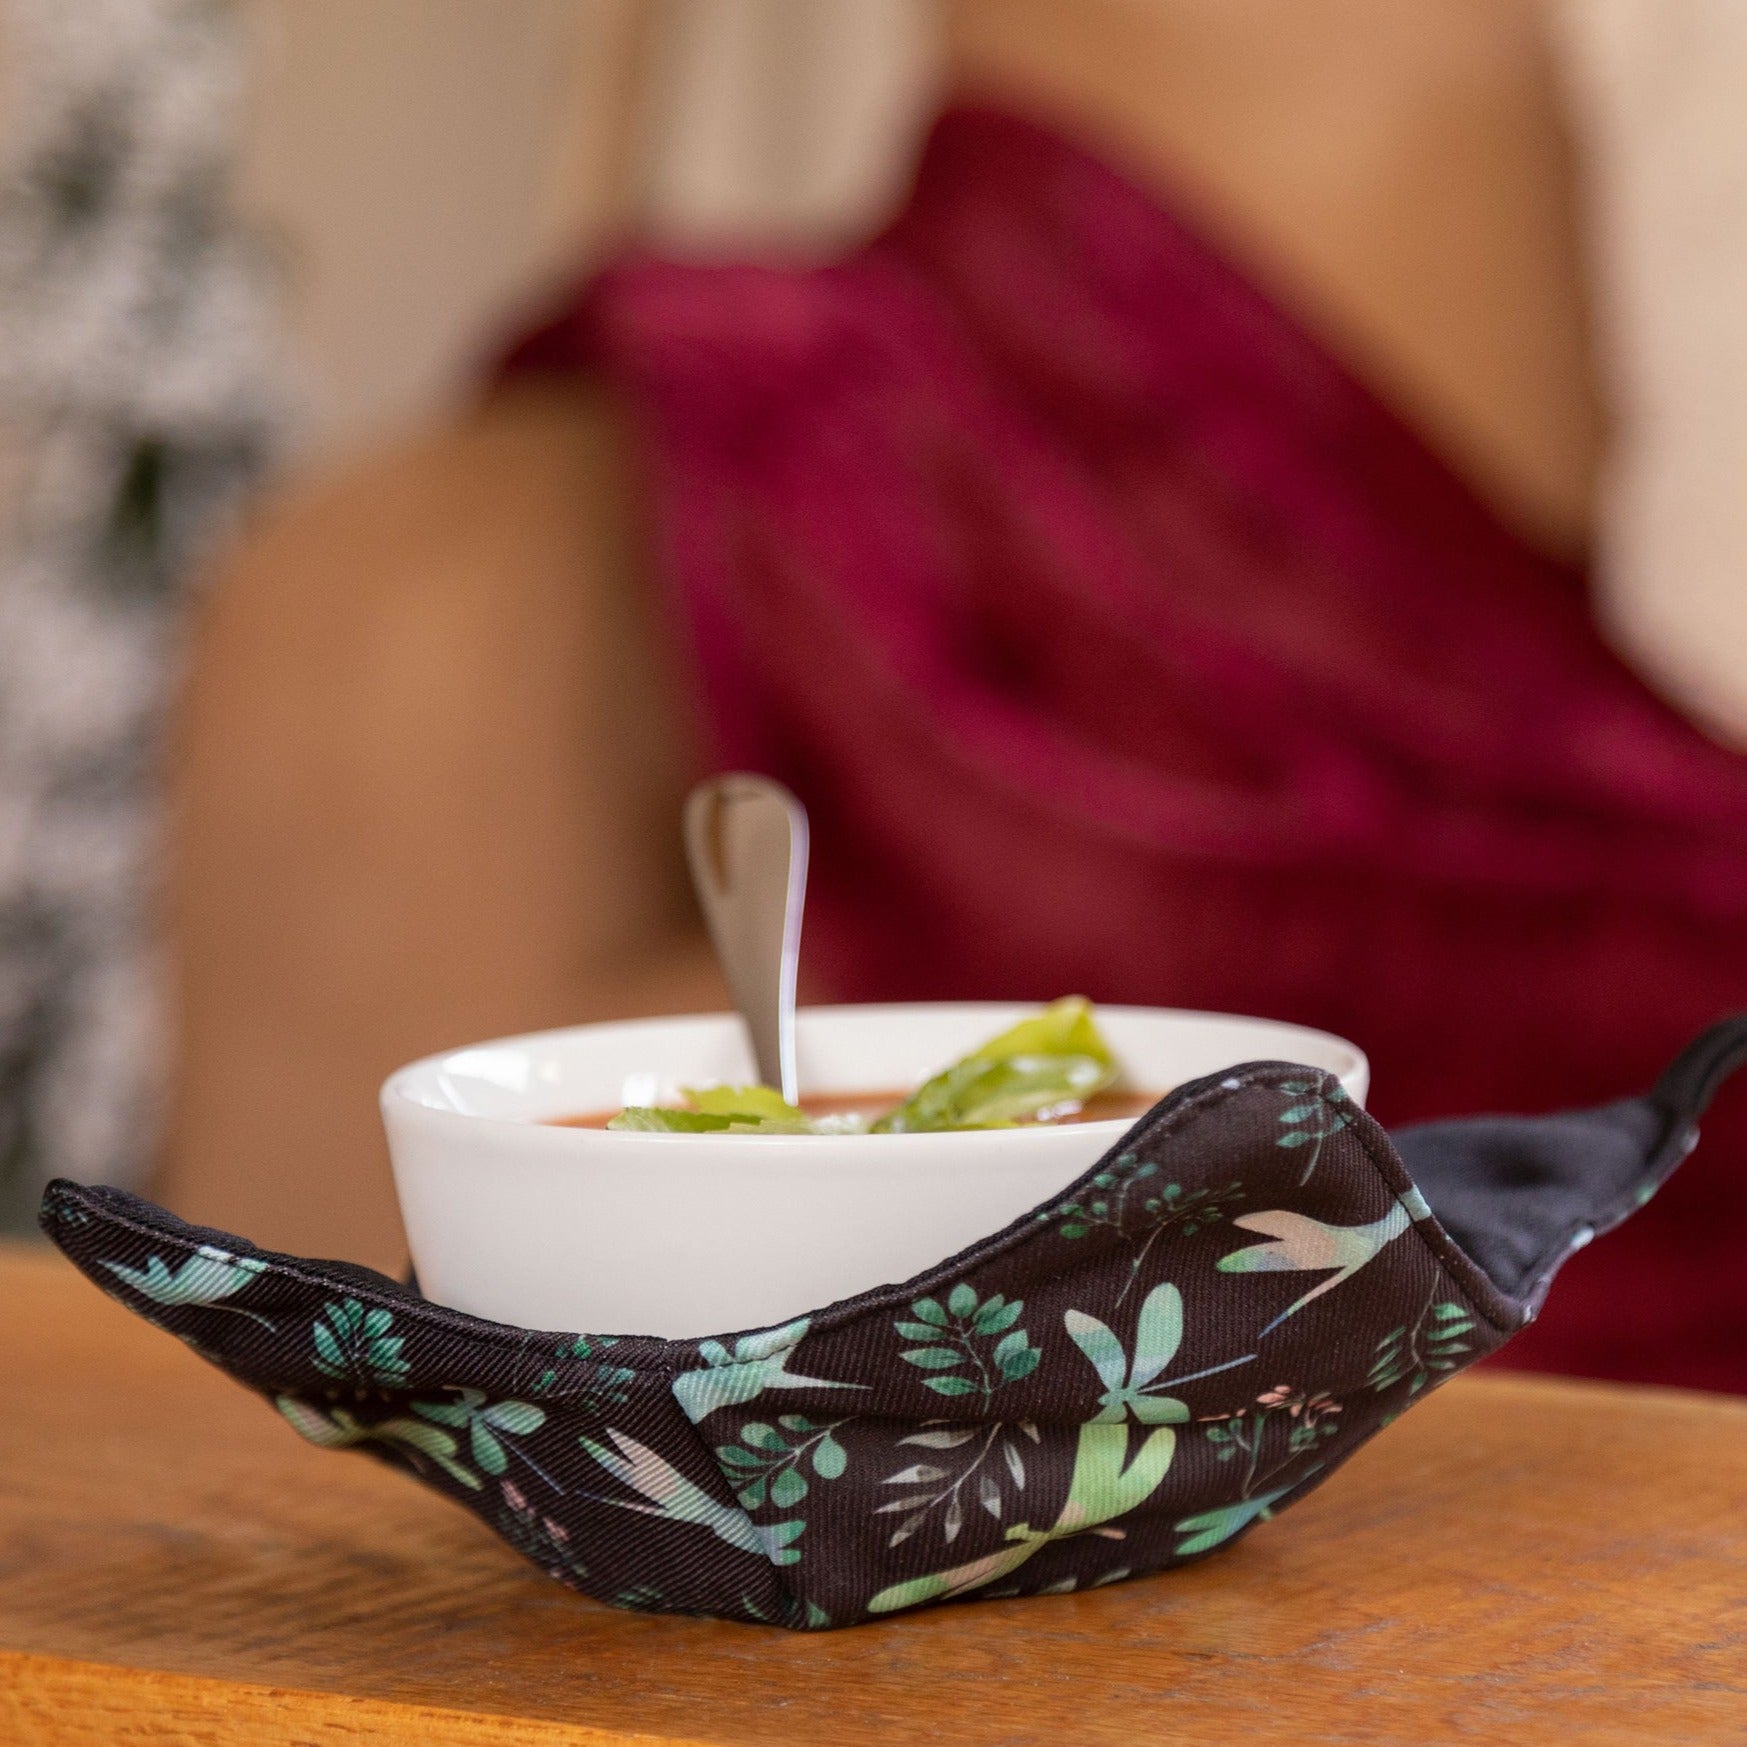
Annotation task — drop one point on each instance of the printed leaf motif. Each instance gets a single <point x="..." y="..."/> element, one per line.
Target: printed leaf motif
<point x="995" y="1316"/>
<point x="207" y="1276"/>
<point x="669" y="1493"/>
<point x="917" y="1474"/>
<point x="945" y="1483"/>
<point x="758" y="1362"/>
<point x="954" y="1385"/>
<point x="337" y="1429"/>
<point x="975" y="1339"/>
<point x="598" y="1389"/>
<point x="953" y="1520"/>
<point x="1433" y="1346"/>
<point x="1158" y="1334"/>
<point x="1322" y="1109"/>
<point x="309" y="1422"/>
<point x="449" y="1413"/>
<point x="1105" y="1485"/>
<point x="774" y="1539"/>
<point x="1099" y="1345"/>
<point x="1302" y="1244"/>
<point x="520" y="1417"/>
<point x="1241" y="1436"/>
<point x="947" y="1438"/>
<point x="770" y="1465"/>
<point x="353" y="1346"/>
<point x="1209" y="1528"/>
<point x="933" y="1358"/>
<point x="484" y="1422"/>
<point x="1128" y="1199"/>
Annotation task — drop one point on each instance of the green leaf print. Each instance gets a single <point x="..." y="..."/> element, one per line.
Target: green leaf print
<point x="336" y="1429"/>
<point x="976" y="1340"/>
<point x="1158" y="1334"/>
<point x="1127" y="1198"/>
<point x="484" y="1422"/>
<point x="1105" y="1485"/>
<point x="1243" y="1436"/>
<point x="353" y="1345"/>
<point x="758" y="1362"/>
<point x="771" y="1463"/>
<point x="775" y="1539"/>
<point x="599" y="1390"/>
<point x="207" y="1276"/>
<point x="1316" y="1109"/>
<point x="1431" y="1346"/>
<point x="1211" y="1527"/>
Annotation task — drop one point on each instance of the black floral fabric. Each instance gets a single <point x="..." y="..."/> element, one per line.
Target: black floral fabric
<point x="1207" y="1324"/>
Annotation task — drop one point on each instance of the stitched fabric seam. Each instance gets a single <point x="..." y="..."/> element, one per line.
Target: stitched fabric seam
<point x="1468" y="1275"/>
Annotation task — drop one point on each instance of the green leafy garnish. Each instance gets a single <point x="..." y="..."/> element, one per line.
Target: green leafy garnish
<point x="641" y="1119"/>
<point x="1048" y="1065"/>
<point x="744" y="1103"/>
<point x="720" y="1110"/>
<point x="1054" y="1061"/>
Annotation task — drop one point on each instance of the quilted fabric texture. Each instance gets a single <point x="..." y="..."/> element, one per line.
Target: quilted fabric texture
<point x="1203" y="1327"/>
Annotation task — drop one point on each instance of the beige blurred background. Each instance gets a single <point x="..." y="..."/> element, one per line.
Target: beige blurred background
<point x="425" y="167"/>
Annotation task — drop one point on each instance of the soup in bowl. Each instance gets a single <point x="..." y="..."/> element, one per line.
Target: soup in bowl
<point x="521" y="1207"/>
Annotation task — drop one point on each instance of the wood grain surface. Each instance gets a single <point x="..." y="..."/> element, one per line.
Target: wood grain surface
<point x="1519" y="1560"/>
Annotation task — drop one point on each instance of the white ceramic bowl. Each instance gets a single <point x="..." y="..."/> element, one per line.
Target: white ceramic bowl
<point x="685" y="1235"/>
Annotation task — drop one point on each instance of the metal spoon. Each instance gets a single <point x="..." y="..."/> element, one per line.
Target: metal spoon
<point x="746" y="840"/>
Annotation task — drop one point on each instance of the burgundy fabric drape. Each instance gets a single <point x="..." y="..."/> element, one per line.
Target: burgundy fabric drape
<point x="1120" y="642"/>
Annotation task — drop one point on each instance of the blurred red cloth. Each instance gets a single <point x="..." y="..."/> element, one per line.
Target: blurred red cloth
<point x="1120" y="642"/>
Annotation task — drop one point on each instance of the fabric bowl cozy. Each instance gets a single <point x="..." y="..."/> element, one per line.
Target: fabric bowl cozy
<point x="1205" y="1325"/>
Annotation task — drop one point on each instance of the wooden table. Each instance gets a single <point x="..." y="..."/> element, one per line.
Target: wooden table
<point x="1518" y="1560"/>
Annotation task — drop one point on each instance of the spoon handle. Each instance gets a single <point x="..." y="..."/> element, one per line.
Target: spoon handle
<point x="746" y="840"/>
